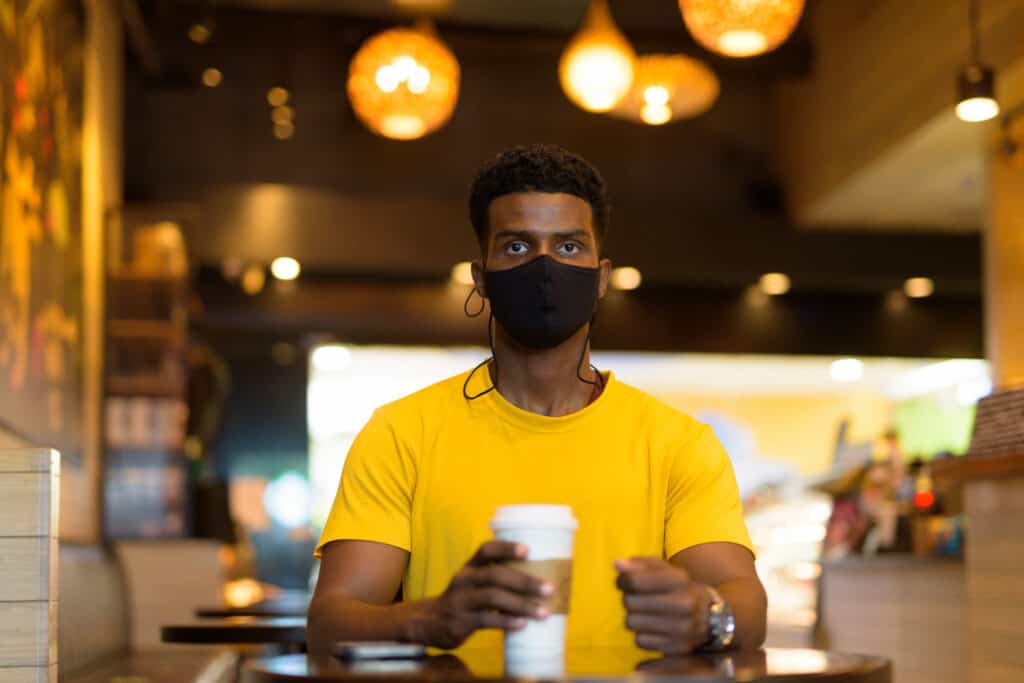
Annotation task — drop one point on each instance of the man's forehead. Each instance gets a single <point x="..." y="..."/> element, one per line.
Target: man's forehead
<point x="540" y="210"/>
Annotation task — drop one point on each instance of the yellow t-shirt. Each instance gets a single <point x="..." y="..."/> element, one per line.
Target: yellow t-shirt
<point x="428" y="471"/>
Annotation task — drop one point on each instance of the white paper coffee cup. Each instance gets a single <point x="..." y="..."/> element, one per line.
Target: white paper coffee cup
<point x="548" y="531"/>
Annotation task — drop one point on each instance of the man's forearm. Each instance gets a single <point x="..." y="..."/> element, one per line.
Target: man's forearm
<point x="746" y="598"/>
<point x="340" y="617"/>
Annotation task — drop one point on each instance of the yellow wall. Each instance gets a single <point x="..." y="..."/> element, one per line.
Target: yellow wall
<point x="795" y="428"/>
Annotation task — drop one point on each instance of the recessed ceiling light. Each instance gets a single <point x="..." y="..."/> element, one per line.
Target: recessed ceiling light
<point x="253" y="279"/>
<point x="847" y="370"/>
<point x="200" y="33"/>
<point x="277" y="96"/>
<point x="627" y="278"/>
<point x="212" y="77"/>
<point x="285" y="268"/>
<point x="775" y="284"/>
<point x="462" y="273"/>
<point x="331" y="358"/>
<point x="919" y="287"/>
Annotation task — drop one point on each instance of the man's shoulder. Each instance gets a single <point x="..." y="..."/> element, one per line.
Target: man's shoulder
<point x="426" y="401"/>
<point x="657" y="415"/>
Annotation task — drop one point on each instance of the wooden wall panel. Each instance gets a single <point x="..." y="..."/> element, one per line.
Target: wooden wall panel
<point x="907" y="609"/>
<point x="26" y="508"/>
<point x="25" y="568"/>
<point x="995" y="560"/>
<point x="35" y="674"/>
<point x="1004" y="273"/>
<point x="30" y="495"/>
<point x="24" y="633"/>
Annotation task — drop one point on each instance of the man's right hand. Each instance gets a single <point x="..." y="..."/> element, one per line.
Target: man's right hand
<point x="484" y="594"/>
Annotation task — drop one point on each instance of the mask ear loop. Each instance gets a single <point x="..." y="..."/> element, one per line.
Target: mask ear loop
<point x="492" y="359"/>
<point x="490" y="344"/>
<point x="465" y="305"/>
<point x="586" y="345"/>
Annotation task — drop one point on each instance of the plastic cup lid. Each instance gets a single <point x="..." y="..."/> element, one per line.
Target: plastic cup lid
<point x="533" y="517"/>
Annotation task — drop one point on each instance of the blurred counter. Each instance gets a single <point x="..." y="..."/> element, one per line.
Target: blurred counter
<point x="993" y="499"/>
<point x="908" y="608"/>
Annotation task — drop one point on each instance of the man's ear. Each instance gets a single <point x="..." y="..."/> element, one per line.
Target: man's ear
<point x="604" y="277"/>
<point x="478" y="279"/>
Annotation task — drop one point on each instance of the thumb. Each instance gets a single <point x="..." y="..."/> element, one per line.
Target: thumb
<point x="637" y="564"/>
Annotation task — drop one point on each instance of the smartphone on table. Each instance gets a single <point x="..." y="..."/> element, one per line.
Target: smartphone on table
<point x="355" y="651"/>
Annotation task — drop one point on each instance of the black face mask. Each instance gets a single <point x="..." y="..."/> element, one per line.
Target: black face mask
<point x="544" y="302"/>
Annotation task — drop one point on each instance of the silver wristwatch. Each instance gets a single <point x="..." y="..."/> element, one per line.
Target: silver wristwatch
<point x="721" y="624"/>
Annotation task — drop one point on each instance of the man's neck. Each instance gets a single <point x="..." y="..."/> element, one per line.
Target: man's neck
<point x="544" y="382"/>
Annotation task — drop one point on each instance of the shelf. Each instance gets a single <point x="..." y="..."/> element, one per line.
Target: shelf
<point x="969" y="467"/>
<point x="145" y="387"/>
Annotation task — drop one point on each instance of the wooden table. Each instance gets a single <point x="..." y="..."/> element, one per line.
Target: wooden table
<point x="772" y="665"/>
<point x="238" y="631"/>
<point x="277" y="607"/>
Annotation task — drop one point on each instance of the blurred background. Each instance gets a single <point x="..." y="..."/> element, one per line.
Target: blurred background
<point x="233" y="229"/>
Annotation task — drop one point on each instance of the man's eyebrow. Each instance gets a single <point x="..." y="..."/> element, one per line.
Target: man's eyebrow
<point x="576" y="234"/>
<point x="513" y="233"/>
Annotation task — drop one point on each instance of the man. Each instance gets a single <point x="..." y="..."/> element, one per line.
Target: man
<point x="662" y="557"/>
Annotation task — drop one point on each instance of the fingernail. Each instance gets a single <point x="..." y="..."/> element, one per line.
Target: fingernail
<point x="541" y="612"/>
<point x="546" y="589"/>
<point x="622" y="565"/>
<point x="517" y="624"/>
<point x="522" y="550"/>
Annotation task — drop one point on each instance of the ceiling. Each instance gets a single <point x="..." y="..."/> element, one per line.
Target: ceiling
<point x="932" y="180"/>
<point x="546" y="14"/>
<point x="694" y="203"/>
<point x="871" y="139"/>
<point x="549" y="15"/>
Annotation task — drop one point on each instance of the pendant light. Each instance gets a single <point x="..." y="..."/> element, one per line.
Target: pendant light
<point x="404" y="83"/>
<point x="976" y="83"/>
<point x="741" y="28"/>
<point x="596" y="68"/>
<point x="667" y="88"/>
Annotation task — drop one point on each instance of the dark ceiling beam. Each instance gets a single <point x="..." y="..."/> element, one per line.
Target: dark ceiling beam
<point x="688" y="319"/>
<point x="343" y="233"/>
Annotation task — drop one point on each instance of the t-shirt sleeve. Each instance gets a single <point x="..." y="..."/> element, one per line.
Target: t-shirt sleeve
<point x="703" y="503"/>
<point x="374" y="499"/>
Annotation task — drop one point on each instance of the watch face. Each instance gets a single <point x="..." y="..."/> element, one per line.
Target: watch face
<point x="728" y="630"/>
<point x="721" y="624"/>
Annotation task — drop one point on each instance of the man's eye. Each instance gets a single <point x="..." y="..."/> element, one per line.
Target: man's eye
<point x="570" y="248"/>
<point x="516" y="248"/>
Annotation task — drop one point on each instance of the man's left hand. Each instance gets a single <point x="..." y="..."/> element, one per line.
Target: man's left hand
<point x="664" y="608"/>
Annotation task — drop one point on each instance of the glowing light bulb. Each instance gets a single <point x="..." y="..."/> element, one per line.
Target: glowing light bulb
<point x="977" y="109"/>
<point x="388" y="78"/>
<point x="656" y="95"/>
<point x="655" y="114"/>
<point x="285" y="268"/>
<point x="742" y="43"/>
<point x="418" y="80"/>
<point x="596" y="69"/>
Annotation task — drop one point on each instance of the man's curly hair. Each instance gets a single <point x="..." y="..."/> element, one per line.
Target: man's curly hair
<point x="537" y="168"/>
